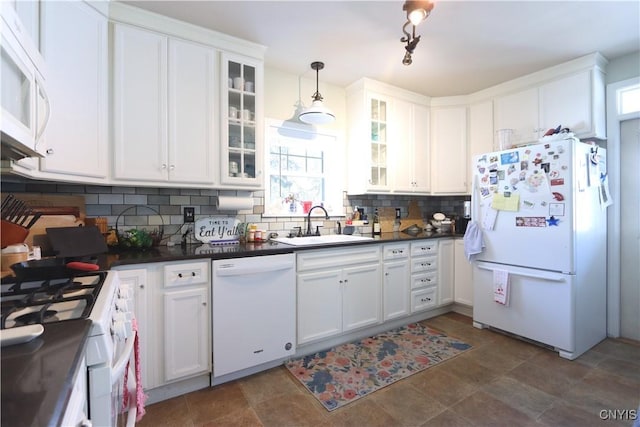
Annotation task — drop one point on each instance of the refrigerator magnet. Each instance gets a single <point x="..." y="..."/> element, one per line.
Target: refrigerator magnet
<point x="556" y="209"/>
<point x="508" y="158"/>
<point x="553" y="221"/>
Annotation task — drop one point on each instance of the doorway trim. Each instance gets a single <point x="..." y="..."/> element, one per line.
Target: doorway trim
<point x="614" y="118"/>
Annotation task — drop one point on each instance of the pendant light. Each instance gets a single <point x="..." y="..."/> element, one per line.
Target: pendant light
<point x="317" y="113"/>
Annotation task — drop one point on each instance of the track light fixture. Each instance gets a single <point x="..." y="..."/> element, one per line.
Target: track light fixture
<point x="417" y="11"/>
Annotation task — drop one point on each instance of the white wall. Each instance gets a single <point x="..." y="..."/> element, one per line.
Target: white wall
<point x="282" y="93"/>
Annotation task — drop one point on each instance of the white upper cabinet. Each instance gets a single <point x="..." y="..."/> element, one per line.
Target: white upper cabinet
<point x="449" y="160"/>
<point x="570" y="95"/>
<point x="411" y="158"/>
<point x="388" y="133"/>
<point x="519" y="112"/>
<point x="481" y="135"/>
<point x="576" y="102"/>
<point x="242" y="142"/>
<point x="74" y="46"/>
<point x="369" y="140"/>
<point x="163" y="108"/>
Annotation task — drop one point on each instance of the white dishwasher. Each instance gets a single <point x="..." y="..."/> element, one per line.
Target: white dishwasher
<point x="254" y="311"/>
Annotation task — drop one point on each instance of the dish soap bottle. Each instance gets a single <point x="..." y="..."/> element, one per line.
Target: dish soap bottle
<point x="375" y="229"/>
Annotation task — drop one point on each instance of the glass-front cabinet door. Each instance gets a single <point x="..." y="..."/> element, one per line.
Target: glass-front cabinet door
<point x="242" y="136"/>
<point x="378" y="113"/>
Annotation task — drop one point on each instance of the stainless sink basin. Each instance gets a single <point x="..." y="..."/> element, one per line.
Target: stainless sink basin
<point x="326" y="239"/>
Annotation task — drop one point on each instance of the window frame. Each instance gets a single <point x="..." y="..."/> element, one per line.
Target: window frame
<point x="333" y="174"/>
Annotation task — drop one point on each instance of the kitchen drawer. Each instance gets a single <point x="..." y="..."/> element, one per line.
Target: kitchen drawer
<point x="424" y="279"/>
<point x="425" y="247"/>
<point x="424" y="299"/>
<point x="429" y="263"/>
<point x="330" y="258"/>
<point x="395" y="251"/>
<point x="186" y="274"/>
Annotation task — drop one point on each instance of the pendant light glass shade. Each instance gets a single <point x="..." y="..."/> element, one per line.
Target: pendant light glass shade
<point x="317" y="114"/>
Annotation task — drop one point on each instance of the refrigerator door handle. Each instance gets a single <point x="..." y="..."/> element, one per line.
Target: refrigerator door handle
<point x="526" y="272"/>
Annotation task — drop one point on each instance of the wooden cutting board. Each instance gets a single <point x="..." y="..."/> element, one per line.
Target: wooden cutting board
<point x="388" y="216"/>
<point x="57" y="211"/>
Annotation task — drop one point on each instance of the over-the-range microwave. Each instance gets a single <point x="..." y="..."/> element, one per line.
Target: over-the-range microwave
<point x="24" y="101"/>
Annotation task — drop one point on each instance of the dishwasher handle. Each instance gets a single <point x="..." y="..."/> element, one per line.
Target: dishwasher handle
<point x="246" y="268"/>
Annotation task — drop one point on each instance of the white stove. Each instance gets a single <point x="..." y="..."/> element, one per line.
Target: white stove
<point x="99" y="297"/>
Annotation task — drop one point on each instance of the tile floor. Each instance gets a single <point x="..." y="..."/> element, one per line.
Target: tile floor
<point x="500" y="382"/>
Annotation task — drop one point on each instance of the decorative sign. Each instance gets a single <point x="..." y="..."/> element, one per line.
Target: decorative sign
<point x="218" y="230"/>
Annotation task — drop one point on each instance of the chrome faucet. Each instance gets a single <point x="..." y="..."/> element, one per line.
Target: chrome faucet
<point x="309" y="218"/>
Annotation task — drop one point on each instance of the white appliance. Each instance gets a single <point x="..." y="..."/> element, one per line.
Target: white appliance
<point x="110" y="355"/>
<point x="544" y="228"/>
<point x="97" y="395"/>
<point x="25" y="107"/>
<point x="254" y="312"/>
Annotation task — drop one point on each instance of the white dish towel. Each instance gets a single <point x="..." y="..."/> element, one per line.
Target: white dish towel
<point x="473" y="241"/>
<point x="501" y="287"/>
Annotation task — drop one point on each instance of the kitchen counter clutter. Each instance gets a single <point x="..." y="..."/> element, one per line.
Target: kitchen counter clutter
<point x="38" y="377"/>
<point x="179" y="253"/>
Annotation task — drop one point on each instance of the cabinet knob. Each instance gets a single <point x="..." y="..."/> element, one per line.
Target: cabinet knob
<point x="204" y="303"/>
<point x="386" y="274"/>
<point x="193" y="274"/>
<point x="141" y="286"/>
<point x="164" y="166"/>
<point x="180" y="275"/>
<point x="50" y="151"/>
<point x="172" y="167"/>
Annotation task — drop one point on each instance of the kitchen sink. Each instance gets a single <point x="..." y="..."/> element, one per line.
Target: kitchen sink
<point x="326" y="239"/>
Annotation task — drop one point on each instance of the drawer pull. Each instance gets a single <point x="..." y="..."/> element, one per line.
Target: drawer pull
<point x="427" y="299"/>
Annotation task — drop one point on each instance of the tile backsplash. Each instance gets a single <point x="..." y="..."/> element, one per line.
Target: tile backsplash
<point x="151" y="207"/>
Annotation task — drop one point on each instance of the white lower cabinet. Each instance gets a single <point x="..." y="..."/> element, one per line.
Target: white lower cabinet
<point x="339" y="290"/>
<point x="463" y="285"/>
<point x="424" y="275"/>
<point x="446" y="271"/>
<point x="396" y="273"/>
<point x="187" y="335"/>
<point x="173" y="313"/>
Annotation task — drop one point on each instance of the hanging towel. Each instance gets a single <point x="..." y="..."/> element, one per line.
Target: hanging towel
<point x="139" y="391"/>
<point x="501" y="287"/>
<point x="473" y="241"/>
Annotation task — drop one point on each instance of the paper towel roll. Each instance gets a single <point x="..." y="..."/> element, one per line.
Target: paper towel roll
<point x="234" y="203"/>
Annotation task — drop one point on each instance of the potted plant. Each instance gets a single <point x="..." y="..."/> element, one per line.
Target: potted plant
<point x="292" y="201"/>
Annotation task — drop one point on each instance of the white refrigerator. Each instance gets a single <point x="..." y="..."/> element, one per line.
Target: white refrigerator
<point x="541" y="275"/>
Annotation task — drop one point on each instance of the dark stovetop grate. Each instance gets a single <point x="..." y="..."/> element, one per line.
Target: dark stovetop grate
<point x="42" y="294"/>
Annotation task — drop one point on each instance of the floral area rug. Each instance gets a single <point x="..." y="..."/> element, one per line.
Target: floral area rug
<point x="350" y="371"/>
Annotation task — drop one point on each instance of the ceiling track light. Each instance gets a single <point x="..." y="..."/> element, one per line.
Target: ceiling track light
<point x="417" y="11"/>
<point x="317" y="114"/>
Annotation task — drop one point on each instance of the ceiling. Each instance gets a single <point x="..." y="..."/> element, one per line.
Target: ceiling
<point x="465" y="46"/>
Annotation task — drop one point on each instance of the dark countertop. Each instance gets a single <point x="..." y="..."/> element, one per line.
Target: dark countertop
<point x="178" y="253"/>
<point x="37" y="377"/>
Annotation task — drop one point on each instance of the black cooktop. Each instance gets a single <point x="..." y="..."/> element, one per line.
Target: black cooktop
<point x="48" y="300"/>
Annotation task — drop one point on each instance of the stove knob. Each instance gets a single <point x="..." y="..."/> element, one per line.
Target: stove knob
<point x="119" y="330"/>
<point x="122" y="305"/>
<point x="122" y="316"/>
<point x="124" y="291"/>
